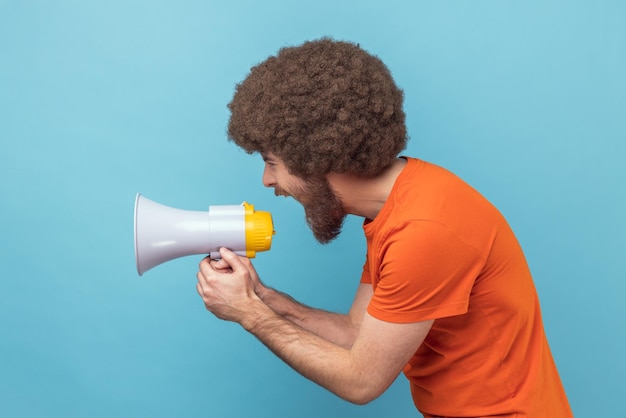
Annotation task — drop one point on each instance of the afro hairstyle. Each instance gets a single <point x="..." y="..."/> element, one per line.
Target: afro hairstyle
<point x="322" y="107"/>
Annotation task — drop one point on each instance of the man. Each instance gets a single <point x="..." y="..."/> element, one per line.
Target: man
<point x="445" y="294"/>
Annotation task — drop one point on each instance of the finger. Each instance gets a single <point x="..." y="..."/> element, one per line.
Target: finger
<point x="201" y="279"/>
<point x="220" y="265"/>
<point x="232" y="259"/>
<point x="200" y="289"/>
<point x="205" y="268"/>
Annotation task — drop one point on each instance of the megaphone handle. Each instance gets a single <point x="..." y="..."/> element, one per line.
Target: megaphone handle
<point x="216" y="254"/>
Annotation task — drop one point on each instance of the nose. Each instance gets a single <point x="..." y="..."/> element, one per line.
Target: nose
<point x="268" y="179"/>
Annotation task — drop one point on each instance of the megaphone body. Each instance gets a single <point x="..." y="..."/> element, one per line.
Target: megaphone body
<point x="163" y="233"/>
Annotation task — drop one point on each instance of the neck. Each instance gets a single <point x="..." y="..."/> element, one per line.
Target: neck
<point x="365" y="196"/>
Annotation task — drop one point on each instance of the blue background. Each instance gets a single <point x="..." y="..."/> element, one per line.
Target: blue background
<point x="100" y="100"/>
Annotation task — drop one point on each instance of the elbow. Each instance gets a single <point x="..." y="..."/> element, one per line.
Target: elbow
<point x="362" y="394"/>
<point x="362" y="400"/>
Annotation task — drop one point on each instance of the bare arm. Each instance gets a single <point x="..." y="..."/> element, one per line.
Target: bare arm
<point x="337" y="328"/>
<point x="340" y="329"/>
<point x="358" y="374"/>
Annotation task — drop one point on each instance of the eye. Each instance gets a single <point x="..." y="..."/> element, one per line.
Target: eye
<point x="270" y="161"/>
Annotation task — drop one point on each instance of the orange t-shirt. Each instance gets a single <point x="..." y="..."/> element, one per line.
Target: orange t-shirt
<point x="439" y="250"/>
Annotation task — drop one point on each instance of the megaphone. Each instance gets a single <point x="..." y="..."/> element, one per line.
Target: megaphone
<point x="163" y="233"/>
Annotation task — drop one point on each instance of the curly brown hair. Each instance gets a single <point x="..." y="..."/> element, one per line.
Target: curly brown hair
<point x="325" y="106"/>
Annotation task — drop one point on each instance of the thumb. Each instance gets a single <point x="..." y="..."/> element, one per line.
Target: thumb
<point x="231" y="259"/>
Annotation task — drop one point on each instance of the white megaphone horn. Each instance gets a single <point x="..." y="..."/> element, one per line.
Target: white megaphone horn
<point x="163" y="233"/>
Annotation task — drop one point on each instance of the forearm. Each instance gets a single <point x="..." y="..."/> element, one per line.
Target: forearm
<point x="313" y="356"/>
<point x="334" y="327"/>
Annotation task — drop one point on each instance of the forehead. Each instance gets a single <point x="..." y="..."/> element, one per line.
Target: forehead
<point x="270" y="156"/>
<point x="278" y="164"/>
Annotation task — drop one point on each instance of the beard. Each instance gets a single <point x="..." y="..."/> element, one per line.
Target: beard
<point x="322" y="208"/>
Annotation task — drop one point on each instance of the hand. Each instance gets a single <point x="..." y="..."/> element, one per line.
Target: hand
<point x="222" y="266"/>
<point x="227" y="286"/>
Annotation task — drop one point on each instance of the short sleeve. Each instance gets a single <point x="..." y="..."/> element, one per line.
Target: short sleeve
<point x="425" y="271"/>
